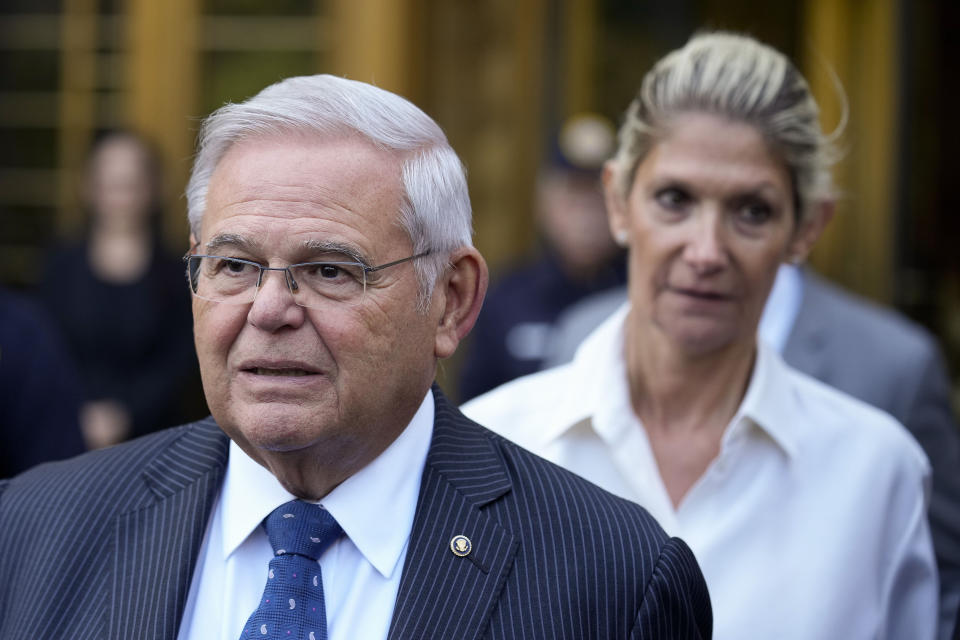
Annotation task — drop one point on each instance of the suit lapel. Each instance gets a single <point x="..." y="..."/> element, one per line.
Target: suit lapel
<point x="156" y="544"/>
<point x="808" y="337"/>
<point x="443" y="594"/>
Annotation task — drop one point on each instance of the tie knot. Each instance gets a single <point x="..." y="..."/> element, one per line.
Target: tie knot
<point x="301" y="528"/>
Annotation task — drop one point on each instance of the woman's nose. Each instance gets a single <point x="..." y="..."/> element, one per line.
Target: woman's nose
<point x="705" y="248"/>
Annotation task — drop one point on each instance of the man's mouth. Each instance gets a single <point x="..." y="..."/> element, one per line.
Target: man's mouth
<point x="263" y="371"/>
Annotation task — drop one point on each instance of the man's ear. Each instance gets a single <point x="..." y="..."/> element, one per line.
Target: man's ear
<point x="193" y="241"/>
<point x="616" y="205"/>
<point x="461" y="294"/>
<point x="809" y="231"/>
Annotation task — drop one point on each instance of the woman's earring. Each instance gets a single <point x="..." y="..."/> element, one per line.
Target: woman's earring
<point x="621" y="237"/>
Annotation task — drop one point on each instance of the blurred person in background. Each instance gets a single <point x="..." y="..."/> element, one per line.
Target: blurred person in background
<point x="118" y="298"/>
<point x="805" y="507"/>
<point x="39" y="389"/>
<point x="579" y="257"/>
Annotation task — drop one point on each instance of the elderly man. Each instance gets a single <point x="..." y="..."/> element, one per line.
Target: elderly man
<point x="331" y="267"/>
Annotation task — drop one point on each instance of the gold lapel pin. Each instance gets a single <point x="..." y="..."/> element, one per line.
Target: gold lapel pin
<point x="461" y="546"/>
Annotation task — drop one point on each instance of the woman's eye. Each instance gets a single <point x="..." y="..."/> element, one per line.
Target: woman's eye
<point x="672" y="198"/>
<point x="756" y="213"/>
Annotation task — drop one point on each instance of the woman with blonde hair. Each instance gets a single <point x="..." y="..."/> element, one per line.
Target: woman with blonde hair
<point x="805" y="508"/>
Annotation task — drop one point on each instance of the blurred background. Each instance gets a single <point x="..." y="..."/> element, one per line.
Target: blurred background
<point x="500" y="76"/>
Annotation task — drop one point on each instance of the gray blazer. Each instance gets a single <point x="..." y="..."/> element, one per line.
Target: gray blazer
<point x="874" y="354"/>
<point x="104" y="545"/>
<point x="878" y="355"/>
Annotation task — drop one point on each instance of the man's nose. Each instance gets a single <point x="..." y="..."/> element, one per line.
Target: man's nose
<point x="274" y="306"/>
<point x="706" y="248"/>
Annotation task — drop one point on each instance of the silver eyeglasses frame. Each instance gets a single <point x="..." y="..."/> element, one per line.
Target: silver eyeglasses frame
<point x="291" y="281"/>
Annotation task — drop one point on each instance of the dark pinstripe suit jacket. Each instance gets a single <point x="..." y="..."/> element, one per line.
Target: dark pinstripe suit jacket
<point x="104" y="546"/>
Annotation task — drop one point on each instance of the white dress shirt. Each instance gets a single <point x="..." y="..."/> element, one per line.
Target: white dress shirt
<point x="360" y="572"/>
<point x="809" y="524"/>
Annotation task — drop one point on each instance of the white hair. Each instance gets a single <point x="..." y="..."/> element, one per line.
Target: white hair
<point x="739" y="78"/>
<point x="435" y="208"/>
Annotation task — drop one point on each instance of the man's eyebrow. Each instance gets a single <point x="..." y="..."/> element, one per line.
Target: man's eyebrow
<point x="330" y="246"/>
<point x="229" y="239"/>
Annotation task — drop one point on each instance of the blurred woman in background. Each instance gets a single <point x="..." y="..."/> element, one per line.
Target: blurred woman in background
<point x="120" y="301"/>
<point x="805" y="508"/>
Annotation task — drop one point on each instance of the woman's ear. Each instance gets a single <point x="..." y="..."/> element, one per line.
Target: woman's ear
<point x="616" y="205"/>
<point x="809" y="230"/>
<point x="462" y="289"/>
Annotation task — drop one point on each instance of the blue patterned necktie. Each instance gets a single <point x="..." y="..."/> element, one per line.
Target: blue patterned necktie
<point x="292" y="604"/>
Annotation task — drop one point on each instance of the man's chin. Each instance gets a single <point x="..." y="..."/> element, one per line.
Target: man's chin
<point x="277" y="428"/>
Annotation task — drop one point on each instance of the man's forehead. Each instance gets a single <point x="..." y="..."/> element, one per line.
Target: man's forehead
<point x="256" y="244"/>
<point x="326" y="189"/>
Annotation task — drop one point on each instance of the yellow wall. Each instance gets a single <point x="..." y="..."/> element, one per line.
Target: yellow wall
<point x="858" y="40"/>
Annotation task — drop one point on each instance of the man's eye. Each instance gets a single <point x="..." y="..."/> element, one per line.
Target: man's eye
<point x="235" y="266"/>
<point x="329" y="271"/>
<point x="227" y="266"/>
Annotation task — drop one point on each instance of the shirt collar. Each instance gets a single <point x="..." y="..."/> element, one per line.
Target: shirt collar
<point x="783" y="305"/>
<point x="600" y="372"/>
<point x="375" y="506"/>
<point x="600" y="367"/>
<point x="767" y="401"/>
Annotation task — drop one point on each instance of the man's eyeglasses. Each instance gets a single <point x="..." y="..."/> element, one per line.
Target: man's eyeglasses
<point x="313" y="284"/>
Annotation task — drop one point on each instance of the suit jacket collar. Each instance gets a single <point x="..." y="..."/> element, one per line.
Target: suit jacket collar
<point x="156" y="539"/>
<point x="463" y="454"/>
<point x="442" y="594"/>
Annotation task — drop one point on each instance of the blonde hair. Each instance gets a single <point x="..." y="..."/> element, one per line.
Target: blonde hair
<point x="739" y="78"/>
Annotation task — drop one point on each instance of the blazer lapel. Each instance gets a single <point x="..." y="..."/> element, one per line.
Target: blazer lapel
<point x="443" y="594"/>
<point x="157" y="542"/>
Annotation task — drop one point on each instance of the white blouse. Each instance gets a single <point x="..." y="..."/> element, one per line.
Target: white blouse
<point x="809" y="524"/>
